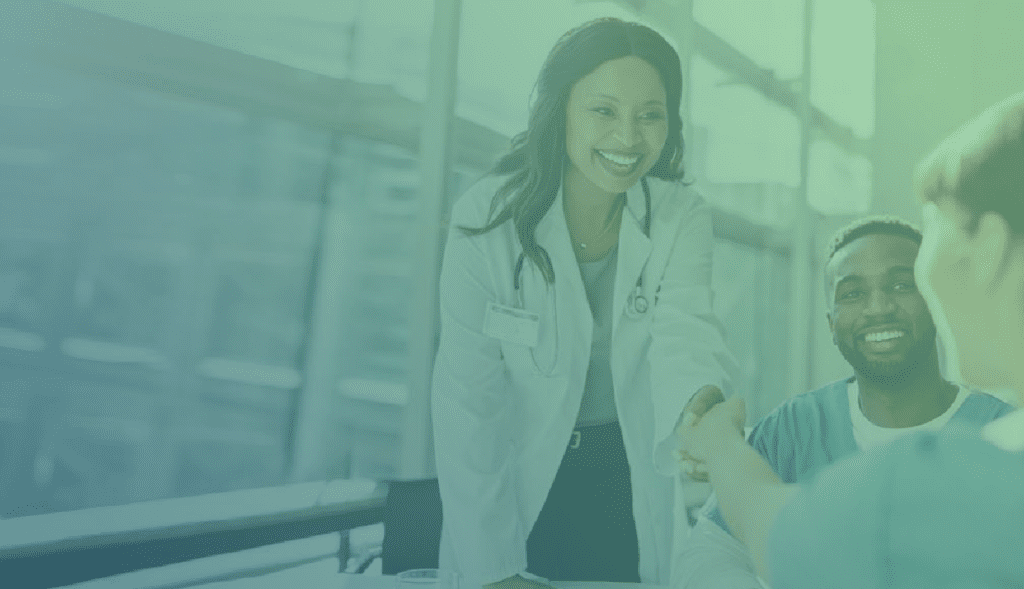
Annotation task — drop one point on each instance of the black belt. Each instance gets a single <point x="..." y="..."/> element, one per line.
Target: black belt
<point x="594" y="434"/>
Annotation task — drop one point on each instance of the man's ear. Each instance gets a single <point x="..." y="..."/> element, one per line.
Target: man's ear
<point x="830" y="295"/>
<point x="831" y="327"/>
<point x="990" y="251"/>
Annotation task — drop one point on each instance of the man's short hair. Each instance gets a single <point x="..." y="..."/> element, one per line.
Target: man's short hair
<point x="873" y="225"/>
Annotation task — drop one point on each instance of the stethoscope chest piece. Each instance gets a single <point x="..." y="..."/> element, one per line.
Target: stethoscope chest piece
<point x="637" y="304"/>
<point x="640" y="304"/>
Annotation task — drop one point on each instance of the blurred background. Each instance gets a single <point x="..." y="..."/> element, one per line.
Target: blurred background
<point x="221" y="220"/>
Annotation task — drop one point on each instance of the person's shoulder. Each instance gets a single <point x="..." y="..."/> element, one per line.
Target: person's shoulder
<point x="958" y="456"/>
<point x="983" y="406"/>
<point x="826" y="394"/>
<point x="953" y="480"/>
<point x="961" y="470"/>
<point x="911" y="492"/>
<point x="810" y="402"/>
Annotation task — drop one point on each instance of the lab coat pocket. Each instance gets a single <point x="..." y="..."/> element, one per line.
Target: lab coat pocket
<point x="540" y="359"/>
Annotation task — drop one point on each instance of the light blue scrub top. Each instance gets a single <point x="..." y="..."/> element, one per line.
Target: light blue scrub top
<point x="811" y="431"/>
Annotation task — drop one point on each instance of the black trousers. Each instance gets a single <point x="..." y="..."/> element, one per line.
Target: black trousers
<point x="586" y="530"/>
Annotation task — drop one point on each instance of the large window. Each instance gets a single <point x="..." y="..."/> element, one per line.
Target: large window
<point x="166" y="243"/>
<point x="155" y="260"/>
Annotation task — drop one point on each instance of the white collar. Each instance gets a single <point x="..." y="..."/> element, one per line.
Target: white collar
<point x="867" y="435"/>
<point x="855" y="407"/>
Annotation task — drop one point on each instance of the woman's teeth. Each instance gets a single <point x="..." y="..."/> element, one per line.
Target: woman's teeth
<point x="618" y="159"/>
<point x="883" y="336"/>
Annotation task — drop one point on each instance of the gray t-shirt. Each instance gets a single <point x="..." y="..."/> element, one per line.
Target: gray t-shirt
<point x="598" y="405"/>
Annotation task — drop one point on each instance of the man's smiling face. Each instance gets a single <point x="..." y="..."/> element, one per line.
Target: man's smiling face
<point x="879" y="320"/>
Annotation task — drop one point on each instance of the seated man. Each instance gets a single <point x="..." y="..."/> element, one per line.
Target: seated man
<point x="882" y="327"/>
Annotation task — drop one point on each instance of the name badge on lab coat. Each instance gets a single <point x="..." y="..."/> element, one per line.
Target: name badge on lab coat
<point x="512" y="325"/>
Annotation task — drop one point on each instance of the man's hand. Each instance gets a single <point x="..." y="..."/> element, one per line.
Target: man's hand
<point x="721" y="425"/>
<point x="704" y="399"/>
<point x="517" y="582"/>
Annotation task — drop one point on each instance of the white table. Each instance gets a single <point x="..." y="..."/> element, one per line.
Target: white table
<point x="311" y="577"/>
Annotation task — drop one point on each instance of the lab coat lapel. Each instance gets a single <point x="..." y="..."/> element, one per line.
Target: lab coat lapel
<point x="634" y="249"/>
<point x="575" y="321"/>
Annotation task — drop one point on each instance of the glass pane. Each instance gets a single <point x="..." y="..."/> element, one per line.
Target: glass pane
<point x="26" y="269"/>
<point x="752" y="297"/>
<point x="155" y="265"/>
<point x="383" y="194"/>
<point x="390" y="50"/>
<point x="314" y="35"/>
<point x="258" y="309"/>
<point x="843" y="63"/>
<point x="355" y="39"/>
<point x="123" y="304"/>
<point x="770" y="32"/>
<point x="92" y="444"/>
<point x="744" y="137"/>
<point x="838" y="183"/>
<point x="235" y="437"/>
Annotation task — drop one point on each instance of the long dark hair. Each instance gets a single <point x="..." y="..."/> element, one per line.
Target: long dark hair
<point x="534" y="163"/>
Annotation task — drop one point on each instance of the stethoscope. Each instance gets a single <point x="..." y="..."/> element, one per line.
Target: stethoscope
<point x="637" y="303"/>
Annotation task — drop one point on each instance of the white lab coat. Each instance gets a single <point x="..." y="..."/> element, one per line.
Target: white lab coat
<point x="503" y="412"/>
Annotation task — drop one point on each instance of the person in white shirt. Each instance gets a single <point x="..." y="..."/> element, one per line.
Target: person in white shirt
<point x="576" y="325"/>
<point x="881" y="325"/>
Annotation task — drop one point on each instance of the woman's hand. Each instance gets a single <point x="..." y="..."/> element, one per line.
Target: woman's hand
<point x="699" y="438"/>
<point x="517" y="582"/>
<point x="704" y="399"/>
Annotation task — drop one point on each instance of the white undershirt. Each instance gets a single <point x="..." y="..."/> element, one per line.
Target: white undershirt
<point x="868" y="435"/>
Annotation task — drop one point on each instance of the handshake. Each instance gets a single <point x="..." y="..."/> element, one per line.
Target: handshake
<point x="708" y="421"/>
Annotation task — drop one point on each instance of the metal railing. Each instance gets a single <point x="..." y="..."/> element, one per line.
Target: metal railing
<point x="58" y="549"/>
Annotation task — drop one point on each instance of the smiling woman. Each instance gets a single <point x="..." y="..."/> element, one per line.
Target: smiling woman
<point x="576" y="326"/>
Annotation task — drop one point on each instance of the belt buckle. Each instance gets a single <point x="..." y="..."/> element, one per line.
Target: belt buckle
<point x="575" y="440"/>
